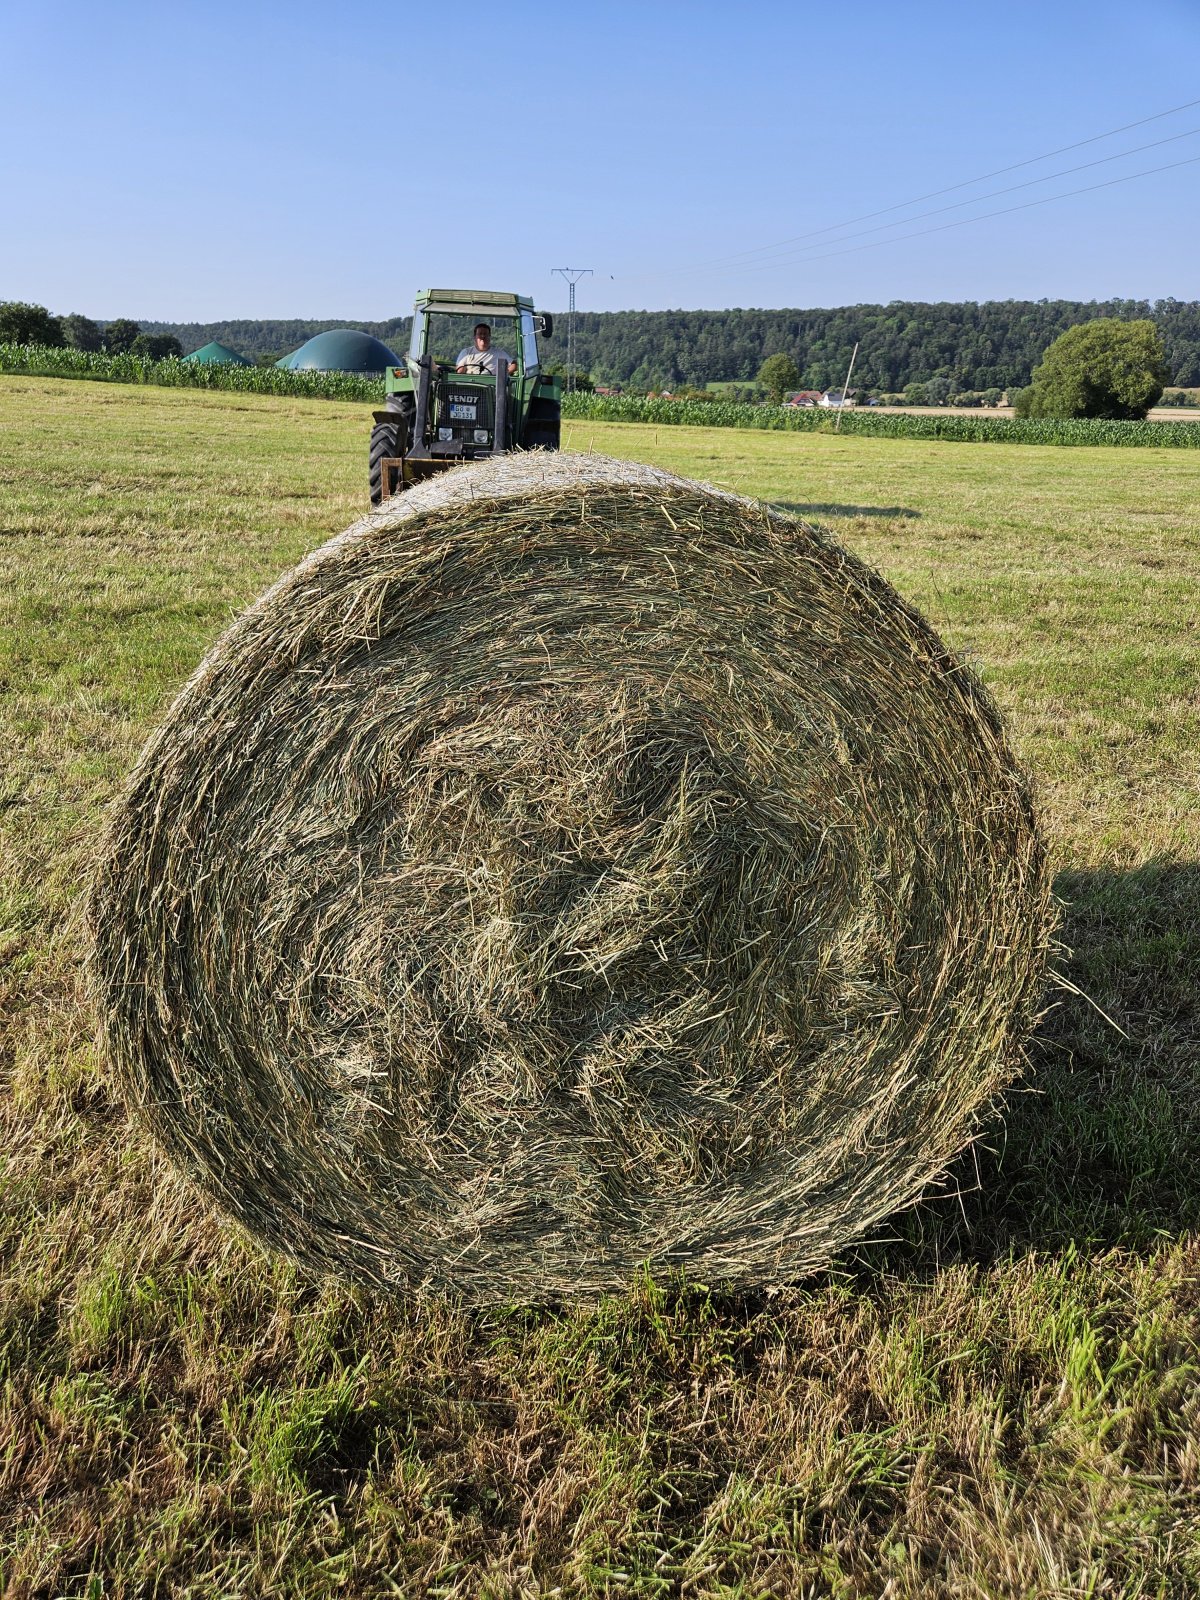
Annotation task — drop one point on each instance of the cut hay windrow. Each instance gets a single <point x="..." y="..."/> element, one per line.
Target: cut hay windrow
<point x="570" y="867"/>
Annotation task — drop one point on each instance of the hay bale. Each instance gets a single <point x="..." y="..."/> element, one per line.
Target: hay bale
<point x="565" y="868"/>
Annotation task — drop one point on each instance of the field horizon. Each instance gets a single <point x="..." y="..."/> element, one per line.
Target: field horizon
<point x="996" y="1396"/>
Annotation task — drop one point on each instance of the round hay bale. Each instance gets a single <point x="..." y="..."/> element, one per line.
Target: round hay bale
<point x="570" y="867"/>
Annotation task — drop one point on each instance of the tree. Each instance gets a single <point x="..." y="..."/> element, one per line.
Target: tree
<point x="778" y="374"/>
<point x="156" y="346"/>
<point x="119" y="336"/>
<point x="81" y="333"/>
<point x="584" y="381"/>
<point x="937" y="390"/>
<point x="914" y="394"/>
<point x="1107" y="368"/>
<point x="26" y="324"/>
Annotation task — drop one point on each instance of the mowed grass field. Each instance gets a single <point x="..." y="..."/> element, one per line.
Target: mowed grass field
<point x="999" y="1396"/>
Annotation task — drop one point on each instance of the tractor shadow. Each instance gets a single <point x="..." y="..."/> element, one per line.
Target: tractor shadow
<point x="817" y="509"/>
<point x="1099" y="1145"/>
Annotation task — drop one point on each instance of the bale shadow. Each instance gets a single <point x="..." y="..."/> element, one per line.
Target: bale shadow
<point x="1099" y="1146"/>
<point x="828" y="509"/>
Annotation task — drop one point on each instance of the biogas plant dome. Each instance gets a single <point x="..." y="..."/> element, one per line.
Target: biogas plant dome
<point x="216" y="354"/>
<point x="341" y="350"/>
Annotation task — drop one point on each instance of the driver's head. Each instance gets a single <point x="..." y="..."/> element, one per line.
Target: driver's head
<point x="483" y="335"/>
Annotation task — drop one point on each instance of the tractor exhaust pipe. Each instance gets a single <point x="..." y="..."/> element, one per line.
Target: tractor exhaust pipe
<point x="500" y="434"/>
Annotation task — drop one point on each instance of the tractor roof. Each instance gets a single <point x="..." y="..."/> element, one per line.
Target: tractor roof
<point x="474" y="302"/>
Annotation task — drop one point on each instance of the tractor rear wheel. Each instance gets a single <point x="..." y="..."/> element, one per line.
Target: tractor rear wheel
<point x="387" y="439"/>
<point x="405" y="408"/>
<point x="543" y="427"/>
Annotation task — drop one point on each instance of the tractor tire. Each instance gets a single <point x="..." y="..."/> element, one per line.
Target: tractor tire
<point x="405" y="408"/>
<point x="387" y="439"/>
<point x="543" y="426"/>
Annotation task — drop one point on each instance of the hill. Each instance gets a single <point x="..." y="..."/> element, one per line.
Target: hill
<point x="976" y="345"/>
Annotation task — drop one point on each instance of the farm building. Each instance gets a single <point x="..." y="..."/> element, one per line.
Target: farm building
<point x="215" y="354"/>
<point x="341" y="350"/>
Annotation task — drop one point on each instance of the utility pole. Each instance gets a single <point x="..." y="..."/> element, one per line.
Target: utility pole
<point x="572" y="275"/>
<point x="837" y="427"/>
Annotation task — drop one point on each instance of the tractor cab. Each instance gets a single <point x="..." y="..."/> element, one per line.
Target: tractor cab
<point x="437" y="416"/>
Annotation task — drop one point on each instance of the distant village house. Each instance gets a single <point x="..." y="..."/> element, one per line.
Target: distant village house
<point x="831" y="398"/>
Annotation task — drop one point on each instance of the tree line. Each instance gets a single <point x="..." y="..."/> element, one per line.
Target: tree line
<point x="265" y="342"/>
<point x="952" y="346"/>
<point x="21" y="323"/>
<point x="1108" y="370"/>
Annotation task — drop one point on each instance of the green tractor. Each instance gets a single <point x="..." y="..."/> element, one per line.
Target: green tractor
<point x="437" y="416"/>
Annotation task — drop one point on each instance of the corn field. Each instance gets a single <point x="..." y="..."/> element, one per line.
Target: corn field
<point x="48" y="362"/>
<point x="884" y="425"/>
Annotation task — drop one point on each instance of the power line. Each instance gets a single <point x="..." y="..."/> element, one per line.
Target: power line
<point x="1004" y="211"/>
<point x="1012" y="188"/>
<point x="967" y="183"/>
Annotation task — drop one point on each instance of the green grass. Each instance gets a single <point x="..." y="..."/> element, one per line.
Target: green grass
<point x="999" y="1397"/>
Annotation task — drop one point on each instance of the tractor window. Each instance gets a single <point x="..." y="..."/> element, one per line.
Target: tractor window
<point x="529" y="336"/>
<point x="449" y="334"/>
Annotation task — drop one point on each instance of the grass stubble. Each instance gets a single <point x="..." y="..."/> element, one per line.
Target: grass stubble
<point x="997" y="1397"/>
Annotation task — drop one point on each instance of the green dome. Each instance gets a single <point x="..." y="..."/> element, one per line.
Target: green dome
<point x="215" y="354"/>
<point x="341" y="350"/>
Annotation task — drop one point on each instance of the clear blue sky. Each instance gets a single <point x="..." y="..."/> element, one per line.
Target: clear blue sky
<point x="191" y="161"/>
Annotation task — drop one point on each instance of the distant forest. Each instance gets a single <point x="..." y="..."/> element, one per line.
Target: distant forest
<point x="976" y="346"/>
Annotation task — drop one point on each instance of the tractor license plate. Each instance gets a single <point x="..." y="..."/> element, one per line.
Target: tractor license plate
<point x="461" y="413"/>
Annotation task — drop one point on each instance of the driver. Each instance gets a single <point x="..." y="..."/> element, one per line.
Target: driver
<point x="484" y="356"/>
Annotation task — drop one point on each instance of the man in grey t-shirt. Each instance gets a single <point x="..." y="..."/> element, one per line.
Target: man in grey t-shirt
<point x="484" y="356"/>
